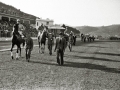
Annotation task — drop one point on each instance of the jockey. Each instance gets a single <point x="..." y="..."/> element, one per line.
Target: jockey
<point x="71" y="33"/>
<point x="16" y="29"/>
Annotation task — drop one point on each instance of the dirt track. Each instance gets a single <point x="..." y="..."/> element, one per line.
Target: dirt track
<point x="90" y="66"/>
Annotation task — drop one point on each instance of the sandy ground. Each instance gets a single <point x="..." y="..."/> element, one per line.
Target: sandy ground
<point x="90" y="66"/>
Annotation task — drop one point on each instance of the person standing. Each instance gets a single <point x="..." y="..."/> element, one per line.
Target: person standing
<point x="50" y="42"/>
<point x="29" y="46"/>
<point x="74" y="37"/>
<point x="60" y="46"/>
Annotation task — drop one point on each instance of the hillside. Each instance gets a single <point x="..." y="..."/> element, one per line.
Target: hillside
<point x="86" y="29"/>
<point x="105" y="31"/>
<point x="9" y="9"/>
<point x="72" y="29"/>
<point x="69" y="29"/>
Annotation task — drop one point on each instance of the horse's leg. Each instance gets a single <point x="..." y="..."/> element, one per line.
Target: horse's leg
<point x="50" y="49"/>
<point x="26" y="54"/>
<point x="20" y="51"/>
<point x="39" y="47"/>
<point x="11" y="51"/>
<point x="29" y="53"/>
<point x="17" y="53"/>
<point x="44" y="48"/>
<point x="70" y="46"/>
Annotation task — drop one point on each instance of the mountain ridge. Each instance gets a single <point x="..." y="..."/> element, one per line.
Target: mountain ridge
<point x="104" y="31"/>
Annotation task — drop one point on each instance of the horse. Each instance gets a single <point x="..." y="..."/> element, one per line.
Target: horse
<point x="50" y="42"/>
<point x="17" y="40"/>
<point x="82" y="37"/>
<point x="42" y="40"/>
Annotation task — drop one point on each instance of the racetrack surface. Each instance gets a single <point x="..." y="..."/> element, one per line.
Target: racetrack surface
<point x="90" y="66"/>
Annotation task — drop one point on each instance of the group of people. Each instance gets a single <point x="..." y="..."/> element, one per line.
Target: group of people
<point x="60" y="44"/>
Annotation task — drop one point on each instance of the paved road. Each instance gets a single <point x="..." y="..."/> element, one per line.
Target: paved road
<point x="90" y="66"/>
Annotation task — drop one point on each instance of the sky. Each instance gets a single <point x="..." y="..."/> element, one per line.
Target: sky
<point x="72" y="12"/>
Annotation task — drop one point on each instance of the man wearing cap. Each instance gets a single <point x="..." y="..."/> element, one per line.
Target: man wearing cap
<point x="60" y="46"/>
<point x="50" y="42"/>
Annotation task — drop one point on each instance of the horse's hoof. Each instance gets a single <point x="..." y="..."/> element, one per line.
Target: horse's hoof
<point x="50" y="53"/>
<point x="12" y="57"/>
<point x="17" y="58"/>
<point x="27" y="60"/>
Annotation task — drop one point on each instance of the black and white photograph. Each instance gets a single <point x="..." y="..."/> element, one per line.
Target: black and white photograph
<point x="59" y="44"/>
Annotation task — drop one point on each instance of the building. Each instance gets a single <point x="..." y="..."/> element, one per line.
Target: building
<point x="54" y="28"/>
<point x="46" y="22"/>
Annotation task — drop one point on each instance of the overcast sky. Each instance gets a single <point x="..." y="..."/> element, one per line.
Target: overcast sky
<point x="72" y="12"/>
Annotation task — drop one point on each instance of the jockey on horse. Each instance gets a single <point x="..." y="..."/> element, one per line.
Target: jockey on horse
<point x="17" y="39"/>
<point x="42" y="35"/>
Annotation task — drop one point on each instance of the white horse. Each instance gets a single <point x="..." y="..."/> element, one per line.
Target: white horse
<point x="42" y="35"/>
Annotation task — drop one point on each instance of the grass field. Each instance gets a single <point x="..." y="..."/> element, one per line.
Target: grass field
<point x="90" y="66"/>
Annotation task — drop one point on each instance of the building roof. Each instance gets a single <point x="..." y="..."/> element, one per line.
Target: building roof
<point x="55" y="27"/>
<point x="40" y="19"/>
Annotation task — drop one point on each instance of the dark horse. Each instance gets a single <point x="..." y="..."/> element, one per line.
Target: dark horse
<point x="17" y="40"/>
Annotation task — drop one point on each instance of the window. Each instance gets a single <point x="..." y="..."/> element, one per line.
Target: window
<point x="47" y="23"/>
<point x="37" y="23"/>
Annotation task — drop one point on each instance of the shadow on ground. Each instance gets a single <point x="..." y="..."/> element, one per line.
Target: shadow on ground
<point x="82" y="65"/>
<point x="101" y="53"/>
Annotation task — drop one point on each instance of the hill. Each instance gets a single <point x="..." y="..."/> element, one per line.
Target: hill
<point x="9" y="9"/>
<point x="104" y="31"/>
<point x="72" y="29"/>
<point x="86" y="29"/>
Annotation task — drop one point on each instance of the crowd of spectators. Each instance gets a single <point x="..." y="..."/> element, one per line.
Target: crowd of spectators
<point x="6" y="28"/>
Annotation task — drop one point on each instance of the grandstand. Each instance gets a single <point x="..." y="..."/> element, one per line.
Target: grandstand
<point x="8" y="16"/>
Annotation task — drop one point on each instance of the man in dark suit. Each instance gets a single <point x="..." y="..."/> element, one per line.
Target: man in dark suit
<point x="74" y="39"/>
<point x="60" y="46"/>
<point x="50" y="42"/>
